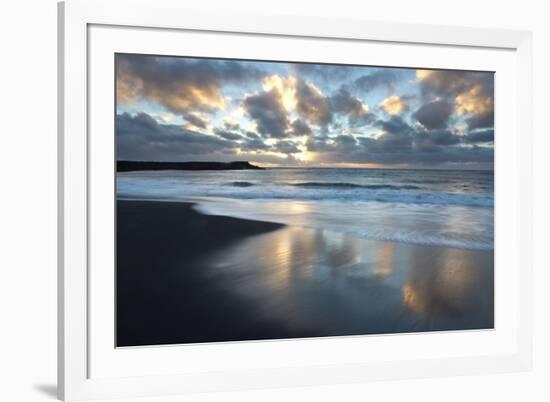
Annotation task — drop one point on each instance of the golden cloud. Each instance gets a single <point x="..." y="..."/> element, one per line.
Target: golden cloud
<point x="470" y="92"/>
<point x="473" y="101"/>
<point x="423" y="74"/>
<point x="312" y="104"/>
<point x="394" y="105"/>
<point x="286" y="86"/>
<point x="180" y="85"/>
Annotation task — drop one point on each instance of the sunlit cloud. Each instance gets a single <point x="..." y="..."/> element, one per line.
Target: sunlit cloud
<point x="394" y="105"/>
<point x="174" y="108"/>
<point x="473" y="101"/>
<point x="286" y="86"/>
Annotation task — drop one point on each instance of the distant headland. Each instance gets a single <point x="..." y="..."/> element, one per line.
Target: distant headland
<point x="129" y="166"/>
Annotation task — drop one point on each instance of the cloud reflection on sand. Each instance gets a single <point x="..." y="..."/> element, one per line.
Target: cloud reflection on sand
<point x="443" y="289"/>
<point x="330" y="283"/>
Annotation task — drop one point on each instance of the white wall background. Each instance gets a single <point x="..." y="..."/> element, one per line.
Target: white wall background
<point x="28" y="199"/>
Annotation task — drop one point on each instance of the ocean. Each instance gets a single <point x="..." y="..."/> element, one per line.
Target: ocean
<point x="425" y="207"/>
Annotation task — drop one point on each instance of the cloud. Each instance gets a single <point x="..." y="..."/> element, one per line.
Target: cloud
<point x="230" y="124"/>
<point x="480" y="136"/>
<point x="366" y="119"/>
<point x="284" y="95"/>
<point x="323" y="73"/>
<point x="396" y="136"/>
<point x="382" y="78"/>
<point x="434" y="141"/>
<point x="276" y="112"/>
<point x="312" y="104"/>
<point x="300" y="128"/>
<point x="179" y="84"/>
<point x="285" y="86"/>
<point x="451" y="83"/>
<point x="345" y="142"/>
<point x="254" y="145"/>
<point x="394" y="105"/>
<point x="195" y="120"/>
<point x="287" y="147"/>
<point x="267" y="111"/>
<point x="324" y="145"/>
<point x="228" y="135"/>
<point x="434" y="114"/>
<point x="400" y="143"/>
<point x="344" y="103"/>
<point x="140" y="137"/>
<point x="471" y="93"/>
<point x="481" y="120"/>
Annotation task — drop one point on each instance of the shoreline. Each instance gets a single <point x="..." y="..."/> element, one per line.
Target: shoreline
<point x="187" y="277"/>
<point x="201" y="205"/>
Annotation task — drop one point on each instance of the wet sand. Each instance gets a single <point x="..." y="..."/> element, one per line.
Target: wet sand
<point x="186" y="277"/>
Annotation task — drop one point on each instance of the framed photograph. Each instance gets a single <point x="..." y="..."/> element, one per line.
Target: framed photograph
<point x="253" y="201"/>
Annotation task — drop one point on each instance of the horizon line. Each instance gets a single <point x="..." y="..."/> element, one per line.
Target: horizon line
<point x="268" y="166"/>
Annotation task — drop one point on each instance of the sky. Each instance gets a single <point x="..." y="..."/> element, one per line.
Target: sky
<point x="302" y="114"/>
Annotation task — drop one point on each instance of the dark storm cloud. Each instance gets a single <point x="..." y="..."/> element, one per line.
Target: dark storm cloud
<point x="397" y="136"/>
<point x="318" y="143"/>
<point x="443" y="137"/>
<point x="140" y="137"/>
<point x="438" y="117"/>
<point x="234" y="126"/>
<point x="366" y="119"/>
<point x="179" y="84"/>
<point x="324" y="73"/>
<point x="471" y="94"/>
<point x="253" y="142"/>
<point x="195" y="120"/>
<point x="382" y="78"/>
<point x="320" y="109"/>
<point x="311" y="104"/>
<point x="395" y="125"/>
<point x="481" y="120"/>
<point x="341" y="144"/>
<point x="372" y="150"/>
<point x="435" y="114"/>
<point x="434" y="141"/>
<point x="228" y="135"/>
<point x="344" y="103"/>
<point x="267" y="110"/>
<point x="400" y="143"/>
<point x="480" y="136"/>
<point x="345" y="142"/>
<point x="254" y="145"/>
<point x="300" y="127"/>
<point x="287" y="147"/>
<point x="252" y="135"/>
<point x="451" y="83"/>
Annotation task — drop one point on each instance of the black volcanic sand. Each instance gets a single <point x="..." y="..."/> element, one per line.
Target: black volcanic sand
<point x="185" y="277"/>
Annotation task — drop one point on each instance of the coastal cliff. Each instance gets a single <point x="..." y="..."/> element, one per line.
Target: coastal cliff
<point x="129" y="166"/>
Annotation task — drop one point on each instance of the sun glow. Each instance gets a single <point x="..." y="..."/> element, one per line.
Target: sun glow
<point x="472" y="102"/>
<point x="285" y="86"/>
<point x="393" y="105"/>
<point x="423" y="74"/>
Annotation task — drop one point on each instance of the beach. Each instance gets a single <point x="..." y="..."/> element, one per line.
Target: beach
<point x="184" y="276"/>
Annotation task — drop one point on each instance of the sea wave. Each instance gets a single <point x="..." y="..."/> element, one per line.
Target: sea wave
<point x="241" y="184"/>
<point x="363" y="221"/>
<point x="274" y="193"/>
<point x="326" y="185"/>
<point x="376" y="196"/>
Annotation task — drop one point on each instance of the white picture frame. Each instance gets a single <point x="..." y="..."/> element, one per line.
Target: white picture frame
<point x="76" y="350"/>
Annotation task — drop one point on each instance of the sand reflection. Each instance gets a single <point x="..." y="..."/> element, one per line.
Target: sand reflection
<point x="384" y="259"/>
<point x="331" y="283"/>
<point x="447" y="283"/>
